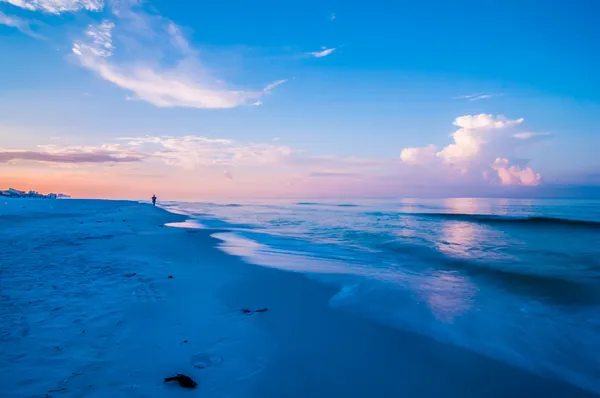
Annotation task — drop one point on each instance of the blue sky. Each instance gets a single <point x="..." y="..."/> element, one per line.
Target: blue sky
<point x="353" y="85"/>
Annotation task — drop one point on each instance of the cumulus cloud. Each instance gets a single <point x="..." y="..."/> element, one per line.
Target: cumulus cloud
<point x="19" y="23"/>
<point x="57" y="6"/>
<point x="482" y="146"/>
<point x="419" y="155"/>
<point x="182" y="83"/>
<point x="475" y="133"/>
<point x="72" y="155"/>
<point x="323" y="53"/>
<point x="515" y="175"/>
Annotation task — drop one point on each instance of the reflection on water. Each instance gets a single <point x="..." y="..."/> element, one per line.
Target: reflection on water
<point x="191" y="223"/>
<point x="467" y="205"/>
<point x="459" y="239"/>
<point x="448" y="294"/>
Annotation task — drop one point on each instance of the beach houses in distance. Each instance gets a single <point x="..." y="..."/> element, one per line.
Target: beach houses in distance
<point x="15" y="193"/>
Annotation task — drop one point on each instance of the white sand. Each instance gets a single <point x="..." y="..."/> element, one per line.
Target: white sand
<point x="76" y="323"/>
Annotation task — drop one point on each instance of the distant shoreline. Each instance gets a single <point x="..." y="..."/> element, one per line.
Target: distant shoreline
<point x="15" y="193"/>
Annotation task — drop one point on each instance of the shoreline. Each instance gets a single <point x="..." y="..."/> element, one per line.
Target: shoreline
<point x="141" y="328"/>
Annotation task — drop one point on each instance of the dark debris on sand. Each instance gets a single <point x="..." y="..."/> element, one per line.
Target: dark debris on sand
<point x="183" y="380"/>
<point x="250" y="311"/>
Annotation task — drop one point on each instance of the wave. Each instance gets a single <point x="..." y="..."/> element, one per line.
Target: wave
<point x="496" y="219"/>
<point x="325" y="204"/>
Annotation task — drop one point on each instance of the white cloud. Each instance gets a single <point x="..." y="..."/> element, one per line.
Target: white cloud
<point x="19" y="23"/>
<point x="483" y="145"/>
<point x="274" y="84"/>
<point x="419" y="155"/>
<point x="99" y="41"/>
<point x="191" y="152"/>
<point x="57" y="6"/>
<point x="323" y="53"/>
<point x="183" y="83"/>
<point x="529" y="135"/>
<point x="515" y="175"/>
<point x="485" y="121"/>
<point x="479" y="96"/>
<point x="332" y="17"/>
<point x="474" y="134"/>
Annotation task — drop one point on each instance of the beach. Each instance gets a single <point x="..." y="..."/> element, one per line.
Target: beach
<point x="108" y="298"/>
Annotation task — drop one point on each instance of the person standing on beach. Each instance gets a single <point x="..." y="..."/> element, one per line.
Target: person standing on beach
<point x="153" y="200"/>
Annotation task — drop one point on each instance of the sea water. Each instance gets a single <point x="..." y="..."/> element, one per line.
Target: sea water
<point x="515" y="280"/>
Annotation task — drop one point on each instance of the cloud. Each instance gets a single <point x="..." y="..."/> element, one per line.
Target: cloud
<point x="57" y="6"/>
<point x="323" y="53"/>
<point x="188" y="166"/>
<point x="482" y="146"/>
<point x="271" y="86"/>
<point x="19" y="23"/>
<point x="515" y="175"/>
<point x="474" y="134"/>
<point x="71" y="155"/>
<point x="529" y="135"/>
<point x="191" y="152"/>
<point x="477" y="97"/>
<point x="334" y="174"/>
<point x="332" y="17"/>
<point x="183" y="82"/>
<point x="421" y="155"/>
<point x="99" y="41"/>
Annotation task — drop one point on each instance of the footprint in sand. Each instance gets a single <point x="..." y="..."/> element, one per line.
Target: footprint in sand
<point x="148" y="293"/>
<point x="203" y="360"/>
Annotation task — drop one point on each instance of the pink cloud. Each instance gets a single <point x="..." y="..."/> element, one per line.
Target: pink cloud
<point x="515" y="175"/>
<point x="481" y="145"/>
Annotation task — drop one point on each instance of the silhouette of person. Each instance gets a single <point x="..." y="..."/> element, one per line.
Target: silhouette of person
<point x="154" y="200"/>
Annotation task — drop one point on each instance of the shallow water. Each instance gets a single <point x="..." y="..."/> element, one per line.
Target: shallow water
<point x="516" y="280"/>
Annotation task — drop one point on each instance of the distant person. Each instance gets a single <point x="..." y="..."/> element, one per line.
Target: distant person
<point x="153" y="200"/>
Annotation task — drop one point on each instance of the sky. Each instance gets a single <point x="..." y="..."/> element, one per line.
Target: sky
<point x="189" y="100"/>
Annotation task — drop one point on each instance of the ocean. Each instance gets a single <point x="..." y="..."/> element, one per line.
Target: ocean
<point x="513" y="279"/>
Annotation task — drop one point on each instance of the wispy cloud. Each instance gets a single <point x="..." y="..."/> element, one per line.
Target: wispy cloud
<point x="19" y="23"/>
<point x="333" y="16"/>
<point x="57" y="6"/>
<point x="323" y="53"/>
<point x="333" y="174"/>
<point x="479" y="96"/>
<point x="184" y="83"/>
<point x="529" y="135"/>
<point x="191" y="152"/>
<point x="72" y="155"/>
